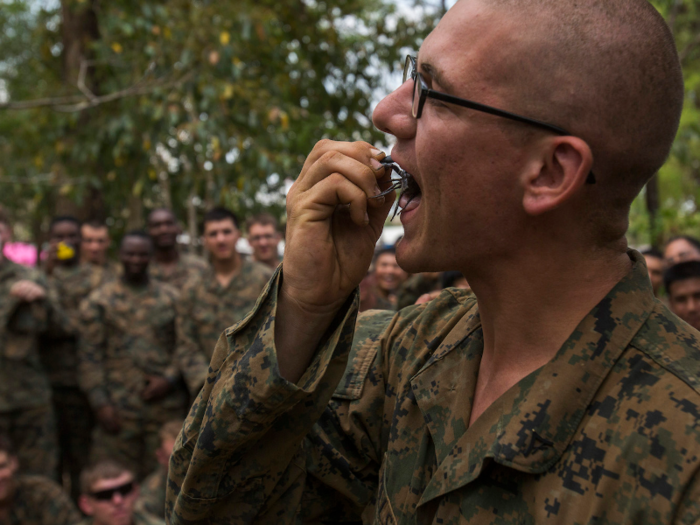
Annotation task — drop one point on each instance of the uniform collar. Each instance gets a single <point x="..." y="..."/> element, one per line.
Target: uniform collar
<point x="530" y="426"/>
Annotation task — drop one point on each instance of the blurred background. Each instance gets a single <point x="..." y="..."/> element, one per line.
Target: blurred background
<point x="110" y="109"/>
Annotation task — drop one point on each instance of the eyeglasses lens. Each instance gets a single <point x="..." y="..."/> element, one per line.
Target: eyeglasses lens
<point x="106" y="495"/>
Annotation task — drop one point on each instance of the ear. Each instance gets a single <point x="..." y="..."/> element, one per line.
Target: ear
<point x="85" y="505"/>
<point x="558" y="173"/>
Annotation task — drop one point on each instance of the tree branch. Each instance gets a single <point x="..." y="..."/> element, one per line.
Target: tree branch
<point x="74" y="103"/>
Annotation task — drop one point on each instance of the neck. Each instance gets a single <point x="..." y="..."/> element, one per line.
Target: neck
<point x="227" y="268"/>
<point x="526" y="320"/>
<point x="166" y="255"/>
<point x="136" y="281"/>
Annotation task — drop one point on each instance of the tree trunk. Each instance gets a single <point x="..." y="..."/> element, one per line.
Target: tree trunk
<point x="79" y="29"/>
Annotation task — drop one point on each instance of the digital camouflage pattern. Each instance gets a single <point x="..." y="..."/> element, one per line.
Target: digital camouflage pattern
<point x="152" y="494"/>
<point x="40" y="501"/>
<point x="26" y="415"/>
<point x="206" y="309"/>
<point x="186" y="267"/>
<point x="606" y="432"/>
<point x="129" y="333"/>
<point x="58" y="350"/>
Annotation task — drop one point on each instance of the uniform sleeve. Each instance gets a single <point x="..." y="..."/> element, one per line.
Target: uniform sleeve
<point x="91" y="352"/>
<point x="191" y="361"/>
<point x="58" y="509"/>
<point x="251" y="436"/>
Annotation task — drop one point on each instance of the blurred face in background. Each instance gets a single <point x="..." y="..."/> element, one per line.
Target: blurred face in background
<point x="220" y="238"/>
<point x="684" y="300"/>
<point x="163" y="229"/>
<point x="135" y="255"/>
<point x="66" y="232"/>
<point x="680" y="250"/>
<point x="111" y="501"/>
<point x="264" y="239"/>
<point x="387" y="273"/>
<point x="95" y="243"/>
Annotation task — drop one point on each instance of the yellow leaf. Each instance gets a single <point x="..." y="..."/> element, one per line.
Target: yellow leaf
<point x="236" y="61"/>
<point x="167" y="33"/>
<point x="119" y="161"/>
<point x="146" y="145"/>
<point x="284" y="120"/>
<point x="228" y="91"/>
<point x="138" y="188"/>
<point x="224" y="38"/>
<point x="39" y="161"/>
<point x="65" y="189"/>
<point x="60" y="146"/>
<point x="117" y="47"/>
<point x="152" y="174"/>
<point x="241" y="182"/>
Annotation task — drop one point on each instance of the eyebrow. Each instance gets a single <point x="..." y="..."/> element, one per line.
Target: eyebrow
<point x="436" y="75"/>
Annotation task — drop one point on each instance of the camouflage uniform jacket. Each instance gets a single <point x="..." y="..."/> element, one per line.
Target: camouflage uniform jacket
<point x="186" y="268"/>
<point x="607" y="432"/>
<point x="40" y="501"/>
<point x="59" y="347"/>
<point x="128" y="333"/>
<point x="23" y="381"/>
<point x="206" y="309"/>
<point x="152" y="494"/>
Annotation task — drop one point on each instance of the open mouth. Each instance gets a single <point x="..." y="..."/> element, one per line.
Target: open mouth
<point x="405" y="183"/>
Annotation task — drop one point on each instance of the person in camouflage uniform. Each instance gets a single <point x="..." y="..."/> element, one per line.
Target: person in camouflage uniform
<point x="151" y="498"/>
<point x="109" y="496"/>
<point x="30" y="500"/>
<point x="169" y="265"/>
<point x="562" y="391"/>
<point x="217" y="298"/>
<point x="94" y="247"/>
<point x="27" y="308"/>
<point x="72" y="282"/>
<point x="126" y="360"/>
<point x="416" y="286"/>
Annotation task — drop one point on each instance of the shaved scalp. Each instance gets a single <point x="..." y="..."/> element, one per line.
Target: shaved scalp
<point x="607" y="71"/>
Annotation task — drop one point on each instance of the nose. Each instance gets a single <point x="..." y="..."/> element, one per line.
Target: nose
<point x="117" y="498"/>
<point x="393" y="114"/>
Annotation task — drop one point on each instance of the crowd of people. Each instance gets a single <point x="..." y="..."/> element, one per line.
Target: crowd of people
<point x="101" y="358"/>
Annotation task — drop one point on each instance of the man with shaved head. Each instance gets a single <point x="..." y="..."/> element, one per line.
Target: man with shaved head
<point x="562" y="391"/>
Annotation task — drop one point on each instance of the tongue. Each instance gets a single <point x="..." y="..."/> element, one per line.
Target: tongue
<point x="408" y="202"/>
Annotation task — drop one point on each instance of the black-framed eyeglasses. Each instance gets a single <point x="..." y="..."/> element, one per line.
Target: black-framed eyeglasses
<point x="421" y="92"/>
<point x="107" y="495"/>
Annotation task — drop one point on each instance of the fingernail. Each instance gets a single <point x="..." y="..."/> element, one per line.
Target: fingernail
<point x="376" y="164"/>
<point x="375" y="152"/>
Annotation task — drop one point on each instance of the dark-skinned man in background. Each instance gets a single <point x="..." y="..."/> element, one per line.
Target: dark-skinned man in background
<point x="217" y="298"/>
<point x="126" y="360"/>
<point x="72" y="281"/>
<point x="169" y="264"/>
<point x="562" y="391"/>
